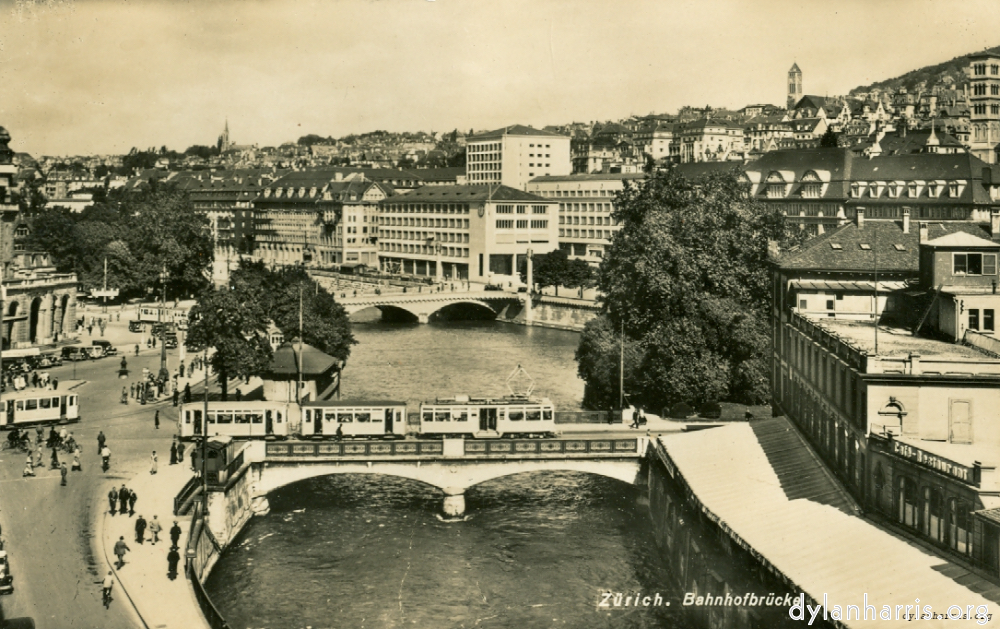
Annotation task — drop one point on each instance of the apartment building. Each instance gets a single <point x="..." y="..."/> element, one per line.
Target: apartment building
<point x="470" y="232"/>
<point x="514" y="155"/>
<point x="984" y="105"/>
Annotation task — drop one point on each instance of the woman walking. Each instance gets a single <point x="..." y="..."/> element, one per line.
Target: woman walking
<point x="153" y="460"/>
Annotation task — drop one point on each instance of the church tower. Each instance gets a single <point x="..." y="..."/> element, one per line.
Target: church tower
<point x="794" y="85"/>
<point x="224" y="144"/>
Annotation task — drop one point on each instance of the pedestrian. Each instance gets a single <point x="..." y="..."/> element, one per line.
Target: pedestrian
<point x="90" y="330"/>
<point x="124" y="396"/>
<point x="38" y="456"/>
<point x="154" y="529"/>
<point x="123" y="495"/>
<point x="173" y="558"/>
<point x="29" y="470"/>
<point x="181" y="369"/>
<point x="100" y="441"/>
<point x="131" y="391"/>
<point x="77" y="466"/>
<point x="156" y="419"/>
<point x="173" y="452"/>
<point x="55" y="459"/>
<point x="187" y="392"/>
<point x="152" y="463"/>
<point x="136" y="349"/>
<point x="132" y="497"/>
<point x="106" y="585"/>
<point x="62" y="472"/>
<point x="180" y="452"/>
<point x="177" y="396"/>
<point x="140" y="530"/>
<point x="120" y="549"/>
<point x="113" y="500"/>
<point x="55" y="383"/>
<point x="175" y="534"/>
<point x="239" y="395"/>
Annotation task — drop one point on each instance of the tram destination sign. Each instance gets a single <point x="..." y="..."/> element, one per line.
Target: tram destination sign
<point x="962" y="472"/>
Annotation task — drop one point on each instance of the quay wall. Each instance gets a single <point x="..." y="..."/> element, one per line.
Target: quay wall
<point x="553" y="312"/>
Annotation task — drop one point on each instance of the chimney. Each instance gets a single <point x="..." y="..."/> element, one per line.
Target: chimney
<point x="995" y="223"/>
<point x="906" y="220"/>
<point x="923" y="232"/>
<point x="860" y="213"/>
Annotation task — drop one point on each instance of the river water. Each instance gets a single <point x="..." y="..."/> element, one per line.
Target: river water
<point x="535" y="550"/>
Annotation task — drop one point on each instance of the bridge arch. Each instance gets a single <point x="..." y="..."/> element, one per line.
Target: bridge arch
<point x="422" y="311"/>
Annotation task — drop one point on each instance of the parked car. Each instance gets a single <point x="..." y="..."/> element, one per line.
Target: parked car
<point x="49" y="360"/>
<point x="6" y="578"/>
<point x="75" y="352"/>
<point x="135" y="326"/>
<point x="109" y="349"/>
<point x="170" y="340"/>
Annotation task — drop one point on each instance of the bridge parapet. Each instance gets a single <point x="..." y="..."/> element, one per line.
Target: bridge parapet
<point x="302" y="451"/>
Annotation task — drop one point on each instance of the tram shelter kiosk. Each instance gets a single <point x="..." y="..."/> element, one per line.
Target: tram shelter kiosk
<point x="220" y="451"/>
<point x="320" y="374"/>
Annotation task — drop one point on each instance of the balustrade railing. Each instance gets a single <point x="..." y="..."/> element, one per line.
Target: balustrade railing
<point x="472" y="448"/>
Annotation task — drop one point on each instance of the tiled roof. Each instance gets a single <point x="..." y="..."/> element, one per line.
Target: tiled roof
<point x="693" y="170"/>
<point x="314" y="362"/>
<point x="588" y="177"/>
<point x="446" y="194"/>
<point x="961" y="239"/>
<point x="516" y="129"/>
<point x="840" y="249"/>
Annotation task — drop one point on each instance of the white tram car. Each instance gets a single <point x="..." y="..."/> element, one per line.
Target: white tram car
<point x="34" y="406"/>
<point x="353" y="418"/>
<point x="240" y="420"/>
<point x="488" y="417"/>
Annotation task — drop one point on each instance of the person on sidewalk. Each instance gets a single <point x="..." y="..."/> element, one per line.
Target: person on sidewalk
<point x="187" y="392"/>
<point x="154" y="529"/>
<point x="77" y="466"/>
<point x="55" y="458"/>
<point x="173" y="451"/>
<point x="101" y="439"/>
<point x="156" y="419"/>
<point x="132" y="497"/>
<point x="152" y="463"/>
<point x="177" y="396"/>
<point x="62" y="472"/>
<point x="28" y="469"/>
<point x="173" y="558"/>
<point x="136" y="349"/>
<point x="123" y="495"/>
<point x="140" y="530"/>
<point x="175" y="534"/>
<point x="180" y="453"/>
<point x="113" y="500"/>
<point x="120" y="549"/>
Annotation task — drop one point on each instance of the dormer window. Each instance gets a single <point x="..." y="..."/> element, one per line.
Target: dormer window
<point x="865" y="246"/>
<point x="21" y="232"/>
<point x="933" y="189"/>
<point x="911" y="189"/>
<point x="857" y="189"/>
<point x="894" y="190"/>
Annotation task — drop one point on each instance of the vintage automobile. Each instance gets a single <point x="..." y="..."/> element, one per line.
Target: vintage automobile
<point x="6" y="578"/>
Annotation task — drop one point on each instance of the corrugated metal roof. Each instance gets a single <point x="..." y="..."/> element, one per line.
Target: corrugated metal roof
<point x="821" y="550"/>
<point x="832" y="285"/>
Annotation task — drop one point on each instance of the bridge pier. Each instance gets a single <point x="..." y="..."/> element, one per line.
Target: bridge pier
<point x="423" y="318"/>
<point x="454" y="502"/>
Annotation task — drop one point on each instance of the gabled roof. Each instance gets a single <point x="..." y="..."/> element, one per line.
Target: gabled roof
<point x="961" y="239"/>
<point x="516" y="129"/>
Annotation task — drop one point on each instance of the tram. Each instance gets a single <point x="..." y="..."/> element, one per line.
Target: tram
<point x="488" y="417"/>
<point x="353" y="419"/>
<point x="34" y="406"/>
<point x="240" y="420"/>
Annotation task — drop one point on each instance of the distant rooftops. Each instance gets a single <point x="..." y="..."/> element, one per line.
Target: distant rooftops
<point x="451" y="194"/>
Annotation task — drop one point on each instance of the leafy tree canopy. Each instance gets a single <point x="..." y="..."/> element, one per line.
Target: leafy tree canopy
<point x="687" y="276"/>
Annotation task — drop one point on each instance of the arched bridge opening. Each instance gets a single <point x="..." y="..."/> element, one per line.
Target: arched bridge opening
<point x="386" y="313"/>
<point x="464" y="311"/>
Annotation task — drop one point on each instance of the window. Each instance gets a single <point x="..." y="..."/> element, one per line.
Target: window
<point x="974" y="264"/>
<point x="829" y="304"/>
<point x="933" y="520"/>
<point x="522" y="224"/>
<point x="907" y="502"/>
<point x="505" y="224"/>
<point x="973" y="318"/>
<point x="988" y="320"/>
<point x="959" y="534"/>
<point x="803" y="304"/>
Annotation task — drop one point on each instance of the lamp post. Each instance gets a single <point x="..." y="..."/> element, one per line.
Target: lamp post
<point x="164" y="374"/>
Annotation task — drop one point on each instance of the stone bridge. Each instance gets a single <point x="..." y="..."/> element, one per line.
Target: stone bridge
<point x="452" y="465"/>
<point x="423" y="304"/>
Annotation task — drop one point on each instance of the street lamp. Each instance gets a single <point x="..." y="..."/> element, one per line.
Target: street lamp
<point x="164" y="374"/>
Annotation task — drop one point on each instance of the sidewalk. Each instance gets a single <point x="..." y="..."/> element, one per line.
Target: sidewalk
<point x="654" y="424"/>
<point x="162" y="603"/>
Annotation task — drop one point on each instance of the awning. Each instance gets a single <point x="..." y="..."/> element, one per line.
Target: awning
<point x="858" y="286"/>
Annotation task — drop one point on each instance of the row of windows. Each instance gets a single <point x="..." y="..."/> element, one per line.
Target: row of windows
<point x="979" y="69"/>
<point x="585" y="233"/>
<point x="974" y="264"/>
<point x="987" y="320"/>
<point x="829" y="376"/>
<point x="925" y="510"/>
<point x="424" y="208"/>
<point x="576" y="193"/>
<point x="522" y="209"/>
<point x="979" y="89"/>
<point x="522" y="224"/>
<point x="577" y="220"/>
<point x="439" y="236"/>
<point x="450" y="223"/>
<point x="448" y="252"/>
<point x="980" y="109"/>
<point x="585" y="207"/>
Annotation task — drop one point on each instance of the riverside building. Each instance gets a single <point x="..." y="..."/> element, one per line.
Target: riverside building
<point x="514" y="155"/>
<point x="470" y="232"/>
<point x="903" y="413"/>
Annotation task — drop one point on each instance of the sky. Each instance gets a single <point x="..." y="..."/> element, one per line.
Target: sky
<point x="84" y="77"/>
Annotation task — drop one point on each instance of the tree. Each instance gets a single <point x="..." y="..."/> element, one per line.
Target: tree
<point x="235" y="323"/>
<point x="687" y="275"/>
<point x="54" y="231"/>
<point x="556" y="269"/>
<point x="829" y="139"/>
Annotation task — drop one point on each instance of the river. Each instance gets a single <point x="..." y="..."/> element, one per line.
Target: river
<point x="372" y="551"/>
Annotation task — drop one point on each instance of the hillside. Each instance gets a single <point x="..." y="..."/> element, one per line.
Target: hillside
<point x="938" y="74"/>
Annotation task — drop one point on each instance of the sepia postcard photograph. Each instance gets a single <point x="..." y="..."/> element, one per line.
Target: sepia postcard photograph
<point x="511" y="314"/>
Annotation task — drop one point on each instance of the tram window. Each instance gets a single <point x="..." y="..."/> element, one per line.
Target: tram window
<point x="377" y="416"/>
<point x="462" y="416"/>
<point x="187" y="417"/>
<point x="55" y="402"/>
<point x="442" y="416"/>
<point x="31" y="404"/>
<point x="399" y="416"/>
<point x="534" y="416"/>
<point x="547" y="414"/>
<point x="309" y="415"/>
<point x="345" y="418"/>
<point x="19" y="405"/>
<point x="211" y="417"/>
<point x="45" y="403"/>
<point x="515" y="416"/>
<point x="257" y="418"/>
<point x="362" y="417"/>
<point x="72" y="400"/>
<point x="197" y="417"/>
<point x="224" y="418"/>
<point x="278" y="414"/>
<point x="330" y="416"/>
<point x="428" y="416"/>
<point x="241" y="418"/>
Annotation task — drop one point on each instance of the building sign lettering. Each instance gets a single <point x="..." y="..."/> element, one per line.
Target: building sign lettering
<point x="933" y="461"/>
